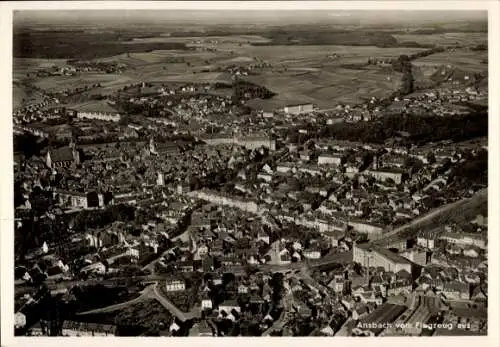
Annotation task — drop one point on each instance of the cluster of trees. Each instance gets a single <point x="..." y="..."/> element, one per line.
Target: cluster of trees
<point x="403" y="64"/>
<point x="472" y="172"/>
<point x="86" y="46"/>
<point x="243" y="90"/>
<point x="92" y="297"/>
<point x="29" y="145"/>
<point x="426" y="53"/>
<point x="148" y="318"/>
<point x="315" y="36"/>
<point x="422" y="129"/>
<point x="480" y="47"/>
<point x="101" y="218"/>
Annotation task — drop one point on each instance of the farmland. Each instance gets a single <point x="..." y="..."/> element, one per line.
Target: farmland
<point x="446" y="39"/>
<point x="107" y="81"/>
<point x="93" y="106"/>
<point x="322" y="74"/>
<point x="466" y="60"/>
<point x="24" y="96"/>
<point x="244" y="39"/>
<point x="326" y="88"/>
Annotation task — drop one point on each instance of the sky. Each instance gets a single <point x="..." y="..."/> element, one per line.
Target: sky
<point x="242" y="17"/>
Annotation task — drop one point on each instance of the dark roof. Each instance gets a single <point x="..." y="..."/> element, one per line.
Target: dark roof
<point x="387" y="313"/>
<point x="392" y="256"/>
<point x="54" y="270"/>
<point x="61" y="154"/>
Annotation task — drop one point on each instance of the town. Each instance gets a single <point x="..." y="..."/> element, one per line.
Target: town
<point x="219" y="207"/>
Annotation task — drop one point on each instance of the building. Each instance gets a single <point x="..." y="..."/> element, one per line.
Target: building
<point x="249" y="142"/>
<point x="228" y="306"/>
<point x="383" y="175"/>
<point x="298" y="108"/>
<point x="329" y="159"/>
<point x="206" y="303"/>
<point x="425" y="241"/>
<point x="98" y="268"/>
<point x="109" y="117"/>
<point x="63" y="157"/>
<point x="312" y="253"/>
<point x="337" y="284"/>
<point x="215" y="198"/>
<point x="365" y="227"/>
<point x="416" y="256"/>
<point x="175" y="285"/>
<point x="456" y="290"/>
<point x="465" y="239"/>
<point x="380" y="257"/>
<point x="72" y="199"/>
<point x="334" y="236"/>
<point x="71" y="328"/>
<point x="132" y="252"/>
<point x="402" y="284"/>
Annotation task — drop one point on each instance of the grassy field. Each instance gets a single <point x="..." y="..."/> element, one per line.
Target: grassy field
<point x="92" y="106"/>
<point x="243" y="39"/>
<point x="448" y="39"/>
<point x="24" y="66"/>
<point x="107" y="81"/>
<point x="462" y="59"/>
<point x="22" y="97"/>
<point x="290" y="54"/>
<point x="327" y="88"/>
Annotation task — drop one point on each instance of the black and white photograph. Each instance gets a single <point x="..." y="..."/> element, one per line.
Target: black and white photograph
<point x="249" y="172"/>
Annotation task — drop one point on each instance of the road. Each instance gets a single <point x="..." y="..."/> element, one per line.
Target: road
<point x="149" y="293"/>
<point x="398" y="234"/>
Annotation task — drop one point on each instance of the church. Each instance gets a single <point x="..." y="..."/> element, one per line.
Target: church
<point x="63" y="157"/>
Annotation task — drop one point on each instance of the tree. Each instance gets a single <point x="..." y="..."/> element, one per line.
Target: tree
<point x="431" y="158"/>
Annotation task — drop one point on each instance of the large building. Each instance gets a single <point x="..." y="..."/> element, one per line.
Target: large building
<point x="329" y="159"/>
<point x="216" y="198"/>
<point x="175" y="285"/>
<point x="63" y="157"/>
<point x="380" y="257"/>
<point x="298" y="108"/>
<point x="384" y="174"/>
<point x="99" y="116"/>
<point x="247" y="142"/>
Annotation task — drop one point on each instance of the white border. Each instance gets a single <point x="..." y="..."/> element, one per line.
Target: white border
<point x="6" y="160"/>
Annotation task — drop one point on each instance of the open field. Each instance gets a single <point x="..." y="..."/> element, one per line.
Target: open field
<point x="22" y="97"/>
<point x="92" y="106"/>
<point x="58" y="83"/>
<point x="224" y="39"/>
<point x="24" y="66"/>
<point x="290" y="54"/>
<point x="325" y="88"/>
<point x="156" y="57"/>
<point x="465" y="60"/>
<point x="447" y="39"/>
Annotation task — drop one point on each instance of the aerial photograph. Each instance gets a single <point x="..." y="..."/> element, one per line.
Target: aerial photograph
<point x="217" y="173"/>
